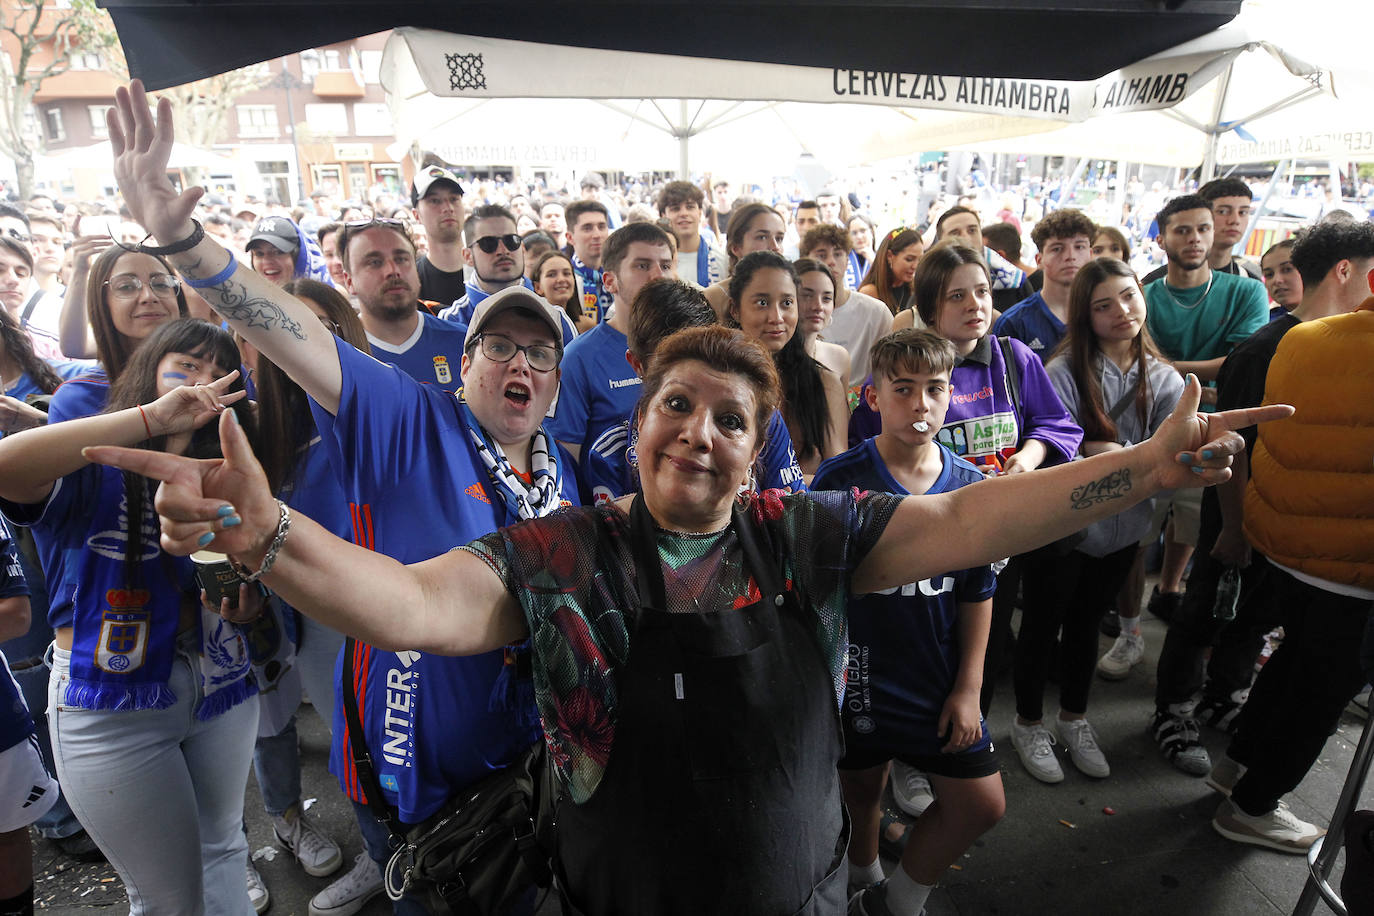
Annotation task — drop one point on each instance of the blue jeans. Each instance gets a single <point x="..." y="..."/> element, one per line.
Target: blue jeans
<point x="276" y="759"/>
<point x="161" y="793"/>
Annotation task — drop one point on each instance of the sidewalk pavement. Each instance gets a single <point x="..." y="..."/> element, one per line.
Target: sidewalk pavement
<point x="1056" y="851"/>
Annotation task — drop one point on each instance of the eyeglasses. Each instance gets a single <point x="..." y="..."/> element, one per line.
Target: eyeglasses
<point x="162" y="285"/>
<point x="17" y="235"/>
<point x="488" y="243"/>
<point x="501" y="349"/>
<point x="355" y="226"/>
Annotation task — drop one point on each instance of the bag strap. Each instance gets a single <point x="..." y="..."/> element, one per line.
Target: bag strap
<point x="1013" y="374"/>
<point x="1120" y="406"/>
<point x="29" y="307"/>
<point x="362" y="758"/>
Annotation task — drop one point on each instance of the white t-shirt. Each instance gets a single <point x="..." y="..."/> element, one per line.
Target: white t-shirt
<point x="855" y="326"/>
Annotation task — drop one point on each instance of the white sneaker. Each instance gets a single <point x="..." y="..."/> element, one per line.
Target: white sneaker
<point x="1080" y="741"/>
<point x="257" y="891"/>
<point x="348" y="895"/>
<point x="1279" y="830"/>
<point x="1035" y="746"/>
<point x="1127" y="652"/>
<point x="911" y="788"/>
<point x="317" y="853"/>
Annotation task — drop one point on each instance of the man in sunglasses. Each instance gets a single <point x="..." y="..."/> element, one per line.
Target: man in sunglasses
<point x="495" y="261"/>
<point x="379" y="268"/>
<point x="493" y="257"/>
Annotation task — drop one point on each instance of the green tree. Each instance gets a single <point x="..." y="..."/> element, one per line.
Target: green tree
<point x="40" y="38"/>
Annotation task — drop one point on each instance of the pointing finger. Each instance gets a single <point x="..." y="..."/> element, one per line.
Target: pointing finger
<point x="157" y="465"/>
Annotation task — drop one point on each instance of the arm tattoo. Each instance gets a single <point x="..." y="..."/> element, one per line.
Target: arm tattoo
<point x="1114" y="486"/>
<point x="235" y="304"/>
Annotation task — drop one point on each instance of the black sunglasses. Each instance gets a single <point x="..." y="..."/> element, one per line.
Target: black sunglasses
<point x="17" y="235"/>
<point x="488" y="243"/>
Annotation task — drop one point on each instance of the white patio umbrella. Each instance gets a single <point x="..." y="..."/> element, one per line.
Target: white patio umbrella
<point x="633" y="110"/>
<point x="101" y="155"/>
<point x="628" y="109"/>
<point x="1290" y="84"/>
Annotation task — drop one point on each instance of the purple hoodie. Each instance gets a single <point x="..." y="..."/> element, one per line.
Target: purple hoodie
<point x="983" y="425"/>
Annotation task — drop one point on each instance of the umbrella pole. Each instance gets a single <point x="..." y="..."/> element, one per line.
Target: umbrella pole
<point x="683" y="136"/>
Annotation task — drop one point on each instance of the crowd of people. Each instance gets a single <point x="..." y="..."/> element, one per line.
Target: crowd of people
<point x="729" y="480"/>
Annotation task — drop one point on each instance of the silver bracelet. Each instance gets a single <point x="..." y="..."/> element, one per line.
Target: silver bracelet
<point x="269" y="558"/>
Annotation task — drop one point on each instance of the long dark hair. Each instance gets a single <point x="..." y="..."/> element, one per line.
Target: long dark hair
<point x="112" y="348"/>
<point x="1081" y="349"/>
<point x="803" y="391"/>
<point x="878" y="275"/>
<point x="19" y="347"/>
<point x="137" y="385"/>
<point x="285" y="424"/>
<point x="573" y="307"/>
<point x="740" y="220"/>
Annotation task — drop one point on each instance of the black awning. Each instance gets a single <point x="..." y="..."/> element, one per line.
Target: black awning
<point x="168" y="42"/>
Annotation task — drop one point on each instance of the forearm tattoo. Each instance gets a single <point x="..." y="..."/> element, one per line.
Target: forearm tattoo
<point x="236" y="304"/>
<point x="1114" y="486"/>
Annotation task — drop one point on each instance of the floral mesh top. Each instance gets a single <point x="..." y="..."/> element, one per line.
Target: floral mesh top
<point x="575" y="590"/>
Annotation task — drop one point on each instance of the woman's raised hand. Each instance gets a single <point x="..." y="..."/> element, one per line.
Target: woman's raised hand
<point x="189" y="407"/>
<point x="226" y="498"/>
<point x="142" y="147"/>
<point x="1195" y="449"/>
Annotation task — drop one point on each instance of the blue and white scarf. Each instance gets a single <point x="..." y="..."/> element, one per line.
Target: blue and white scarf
<point x="542" y="494"/>
<point x="125" y="633"/>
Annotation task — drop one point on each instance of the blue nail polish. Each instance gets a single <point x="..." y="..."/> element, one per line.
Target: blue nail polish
<point x="206" y="538"/>
<point x="1197" y="470"/>
<point x="231" y="521"/>
<point x="234" y="414"/>
<point x="225" y="511"/>
<point x="1185" y="458"/>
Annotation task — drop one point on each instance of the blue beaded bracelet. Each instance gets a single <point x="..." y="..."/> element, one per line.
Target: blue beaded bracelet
<point x="218" y="278"/>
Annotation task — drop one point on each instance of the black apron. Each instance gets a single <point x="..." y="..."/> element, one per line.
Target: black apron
<point x="721" y="793"/>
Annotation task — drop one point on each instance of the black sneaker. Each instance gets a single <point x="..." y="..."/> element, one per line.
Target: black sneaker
<point x="80" y="847"/>
<point x="1218" y="713"/>
<point x="1164" y="605"/>
<point x="1176" y="733"/>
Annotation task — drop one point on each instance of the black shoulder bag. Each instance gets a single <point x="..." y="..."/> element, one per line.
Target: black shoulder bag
<point x="479" y="853"/>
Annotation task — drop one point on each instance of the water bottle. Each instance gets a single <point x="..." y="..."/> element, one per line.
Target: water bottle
<point x="1228" y="594"/>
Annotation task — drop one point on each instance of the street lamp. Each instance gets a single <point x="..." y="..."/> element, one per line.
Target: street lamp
<point x="287" y="81"/>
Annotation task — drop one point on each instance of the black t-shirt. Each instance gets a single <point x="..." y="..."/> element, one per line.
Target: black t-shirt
<point x="1237" y="266"/>
<point x="440" y="286"/>
<point x="1240" y="382"/>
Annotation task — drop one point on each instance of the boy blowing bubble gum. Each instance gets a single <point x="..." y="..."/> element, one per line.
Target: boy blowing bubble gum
<point x="916" y="652"/>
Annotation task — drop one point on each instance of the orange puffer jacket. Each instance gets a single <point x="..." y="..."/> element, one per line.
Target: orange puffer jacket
<point x="1310" y="502"/>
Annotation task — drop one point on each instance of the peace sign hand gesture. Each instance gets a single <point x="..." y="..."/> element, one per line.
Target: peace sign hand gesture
<point x="221" y="504"/>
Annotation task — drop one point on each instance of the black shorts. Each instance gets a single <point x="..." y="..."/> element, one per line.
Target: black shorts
<point x="973" y="764"/>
